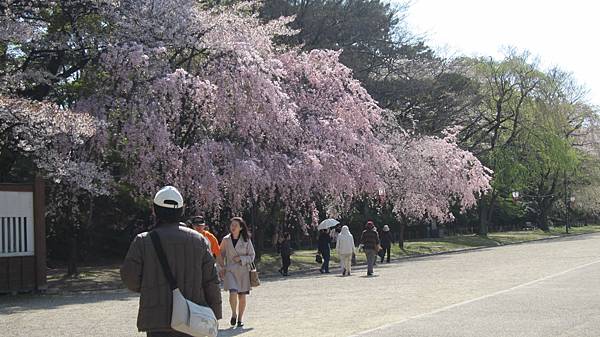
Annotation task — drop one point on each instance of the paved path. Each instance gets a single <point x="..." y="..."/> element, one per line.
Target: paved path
<point x="548" y="288"/>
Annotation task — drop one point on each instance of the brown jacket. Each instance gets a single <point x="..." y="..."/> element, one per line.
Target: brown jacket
<point x="191" y="263"/>
<point x="369" y="239"/>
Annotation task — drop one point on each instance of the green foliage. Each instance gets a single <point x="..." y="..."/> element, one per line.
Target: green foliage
<point x="527" y="129"/>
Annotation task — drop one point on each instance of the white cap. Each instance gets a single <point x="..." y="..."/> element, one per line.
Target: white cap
<point x="168" y="197"/>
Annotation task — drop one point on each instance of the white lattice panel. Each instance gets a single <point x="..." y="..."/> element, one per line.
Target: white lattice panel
<point x="16" y="224"/>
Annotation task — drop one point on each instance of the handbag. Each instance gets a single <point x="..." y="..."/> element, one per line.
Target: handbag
<point x="186" y="316"/>
<point x="318" y="258"/>
<point x="254" y="280"/>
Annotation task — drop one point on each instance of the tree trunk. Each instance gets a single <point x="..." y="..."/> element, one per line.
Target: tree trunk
<point x="72" y="264"/>
<point x="401" y="237"/>
<point x="547" y="203"/>
<point x="483" y="219"/>
<point x="256" y="236"/>
<point x="543" y="217"/>
<point x="545" y="207"/>
<point x="486" y="211"/>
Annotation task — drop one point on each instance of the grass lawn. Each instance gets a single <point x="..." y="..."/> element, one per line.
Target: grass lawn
<point x="305" y="259"/>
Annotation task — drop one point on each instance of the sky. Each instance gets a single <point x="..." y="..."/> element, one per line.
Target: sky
<point x="561" y="33"/>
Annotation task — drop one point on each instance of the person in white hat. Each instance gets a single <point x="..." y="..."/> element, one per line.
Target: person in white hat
<point x="188" y="258"/>
<point x="386" y="243"/>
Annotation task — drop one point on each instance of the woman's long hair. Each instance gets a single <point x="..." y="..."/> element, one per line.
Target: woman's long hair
<point x="244" y="228"/>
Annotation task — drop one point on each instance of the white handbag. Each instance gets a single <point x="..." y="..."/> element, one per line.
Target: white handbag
<point x="187" y="316"/>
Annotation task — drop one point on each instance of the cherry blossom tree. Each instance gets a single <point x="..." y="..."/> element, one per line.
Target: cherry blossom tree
<point x="170" y="92"/>
<point x="433" y="174"/>
<point x="61" y="144"/>
<point x="51" y="137"/>
<point x="241" y="122"/>
<point x="206" y="101"/>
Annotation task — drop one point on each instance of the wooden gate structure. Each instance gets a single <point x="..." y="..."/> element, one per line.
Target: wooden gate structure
<point x="22" y="237"/>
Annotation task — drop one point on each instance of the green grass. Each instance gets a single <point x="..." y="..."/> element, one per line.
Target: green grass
<point x="305" y="259"/>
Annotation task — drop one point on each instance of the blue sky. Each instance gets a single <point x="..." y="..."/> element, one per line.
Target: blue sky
<point x="561" y="33"/>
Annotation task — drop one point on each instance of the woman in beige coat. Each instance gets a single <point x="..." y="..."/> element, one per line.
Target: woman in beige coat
<point x="238" y="255"/>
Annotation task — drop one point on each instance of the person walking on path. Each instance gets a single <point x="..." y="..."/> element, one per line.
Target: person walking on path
<point x="238" y="256"/>
<point x="378" y="252"/>
<point x="198" y="224"/>
<point x="325" y="250"/>
<point x="345" y="248"/>
<point x="370" y="241"/>
<point x="386" y="243"/>
<point x="285" y="249"/>
<point x="189" y="259"/>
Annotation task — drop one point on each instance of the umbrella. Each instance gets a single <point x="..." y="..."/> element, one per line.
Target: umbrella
<point x="328" y="224"/>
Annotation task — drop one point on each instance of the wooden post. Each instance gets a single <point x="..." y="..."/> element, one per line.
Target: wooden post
<point x="39" y="210"/>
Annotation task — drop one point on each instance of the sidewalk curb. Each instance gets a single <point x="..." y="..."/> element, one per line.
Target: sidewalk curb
<point x="418" y="256"/>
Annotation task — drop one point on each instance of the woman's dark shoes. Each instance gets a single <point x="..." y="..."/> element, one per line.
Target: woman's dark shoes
<point x="240" y="324"/>
<point x="232" y="321"/>
<point x="344" y="273"/>
<point x="281" y="272"/>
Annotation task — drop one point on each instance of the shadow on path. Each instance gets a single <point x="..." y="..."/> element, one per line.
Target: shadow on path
<point x="234" y="332"/>
<point x="15" y="304"/>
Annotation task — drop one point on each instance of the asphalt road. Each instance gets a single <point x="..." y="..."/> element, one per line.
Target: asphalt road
<point x="563" y="304"/>
<point x="548" y="288"/>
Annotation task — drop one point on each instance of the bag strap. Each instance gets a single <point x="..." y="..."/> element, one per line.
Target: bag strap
<point x="163" y="259"/>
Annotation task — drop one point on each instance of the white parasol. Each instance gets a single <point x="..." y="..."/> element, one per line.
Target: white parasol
<point x="325" y="224"/>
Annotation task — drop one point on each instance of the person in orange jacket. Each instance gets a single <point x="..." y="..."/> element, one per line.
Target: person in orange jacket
<point x="198" y="224"/>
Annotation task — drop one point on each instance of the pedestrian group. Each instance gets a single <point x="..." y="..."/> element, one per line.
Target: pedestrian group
<point x="178" y="268"/>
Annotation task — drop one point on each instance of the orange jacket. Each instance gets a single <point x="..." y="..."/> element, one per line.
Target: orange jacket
<point x="214" y="243"/>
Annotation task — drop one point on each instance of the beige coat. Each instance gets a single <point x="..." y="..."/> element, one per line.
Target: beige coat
<point x="191" y="264"/>
<point x="237" y="274"/>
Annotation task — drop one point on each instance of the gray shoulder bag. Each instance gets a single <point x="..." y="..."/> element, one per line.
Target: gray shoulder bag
<point x="187" y="316"/>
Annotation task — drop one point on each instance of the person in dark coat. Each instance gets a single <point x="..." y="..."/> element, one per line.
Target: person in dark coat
<point x="386" y="243"/>
<point x="285" y="249"/>
<point x="370" y="241"/>
<point x="325" y="250"/>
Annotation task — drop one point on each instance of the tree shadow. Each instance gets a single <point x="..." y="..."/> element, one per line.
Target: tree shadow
<point x="89" y="278"/>
<point x="10" y="304"/>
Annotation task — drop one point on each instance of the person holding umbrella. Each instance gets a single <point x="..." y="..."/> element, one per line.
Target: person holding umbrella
<point x="324" y="245"/>
<point x="324" y="250"/>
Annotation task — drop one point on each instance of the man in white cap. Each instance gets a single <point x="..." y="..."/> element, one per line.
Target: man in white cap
<point x="187" y="255"/>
